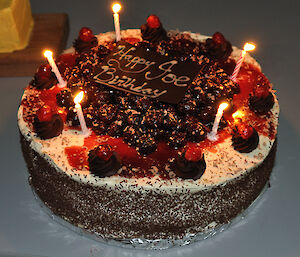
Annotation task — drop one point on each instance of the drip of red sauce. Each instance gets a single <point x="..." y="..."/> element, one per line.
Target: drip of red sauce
<point x="77" y="157"/>
<point x="128" y="155"/>
<point x="210" y="145"/>
<point x="49" y="98"/>
<point x="248" y="77"/>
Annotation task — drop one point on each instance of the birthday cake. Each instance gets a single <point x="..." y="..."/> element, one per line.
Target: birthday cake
<point x="147" y="166"/>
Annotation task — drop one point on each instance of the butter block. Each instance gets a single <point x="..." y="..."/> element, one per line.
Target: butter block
<point x="16" y="24"/>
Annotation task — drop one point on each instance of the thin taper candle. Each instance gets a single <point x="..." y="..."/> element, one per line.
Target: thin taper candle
<point x="247" y="47"/>
<point x="85" y="131"/>
<point x="49" y="55"/>
<point x="116" y="8"/>
<point x="213" y="136"/>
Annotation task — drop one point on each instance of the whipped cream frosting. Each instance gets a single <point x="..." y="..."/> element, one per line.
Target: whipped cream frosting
<point x="223" y="164"/>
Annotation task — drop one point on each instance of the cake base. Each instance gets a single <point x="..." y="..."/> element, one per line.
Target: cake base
<point x="128" y="215"/>
<point x="50" y="31"/>
<point x="148" y="244"/>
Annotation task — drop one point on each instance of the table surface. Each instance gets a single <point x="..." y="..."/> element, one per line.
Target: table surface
<point x="271" y="229"/>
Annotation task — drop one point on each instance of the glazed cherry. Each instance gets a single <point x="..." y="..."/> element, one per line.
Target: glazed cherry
<point x="193" y="154"/>
<point x="68" y="59"/>
<point x="104" y="152"/>
<point x="61" y="67"/>
<point x="245" y="131"/>
<point x="44" y="71"/>
<point x="261" y="92"/>
<point x="44" y="113"/>
<point x="153" y="21"/>
<point x="86" y="34"/>
<point x="218" y="38"/>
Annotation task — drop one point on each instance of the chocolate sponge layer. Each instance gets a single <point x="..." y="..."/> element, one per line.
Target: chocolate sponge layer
<point x="129" y="214"/>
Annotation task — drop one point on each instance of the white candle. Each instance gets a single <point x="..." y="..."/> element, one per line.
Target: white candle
<point x="85" y="131"/>
<point x="116" y="8"/>
<point x="247" y="47"/>
<point x="49" y="55"/>
<point x="213" y="136"/>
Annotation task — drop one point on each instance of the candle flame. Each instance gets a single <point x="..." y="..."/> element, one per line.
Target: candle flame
<point x="238" y="114"/>
<point x="78" y="98"/>
<point x="249" y="47"/>
<point x="48" y="54"/>
<point x="222" y="107"/>
<point x="116" y="7"/>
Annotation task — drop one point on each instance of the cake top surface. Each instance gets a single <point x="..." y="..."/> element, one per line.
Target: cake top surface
<point x="153" y="143"/>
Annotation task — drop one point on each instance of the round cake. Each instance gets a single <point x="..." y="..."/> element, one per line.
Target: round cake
<point x="147" y="167"/>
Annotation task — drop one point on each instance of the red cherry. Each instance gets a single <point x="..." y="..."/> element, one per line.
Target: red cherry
<point x="61" y="67"/>
<point x="44" y="71"/>
<point x="193" y="153"/>
<point x="104" y="152"/>
<point x="44" y="113"/>
<point x="68" y="59"/>
<point x="153" y="21"/>
<point x="218" y="38"/>
<point x="245" y="130"/>
<point x="86" y="34"/>
<point x="261" y="92"/>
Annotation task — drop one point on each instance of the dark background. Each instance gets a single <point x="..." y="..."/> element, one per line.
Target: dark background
<point x="271" y="229"/>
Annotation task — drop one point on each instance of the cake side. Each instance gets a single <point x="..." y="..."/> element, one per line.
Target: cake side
<point x="122" y="214"/>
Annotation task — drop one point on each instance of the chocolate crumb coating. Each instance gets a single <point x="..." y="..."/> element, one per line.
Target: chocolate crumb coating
<point x="117" y="214"/>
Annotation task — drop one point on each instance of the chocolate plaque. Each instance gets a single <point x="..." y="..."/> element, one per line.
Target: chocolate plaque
<point x="135" y="70"/>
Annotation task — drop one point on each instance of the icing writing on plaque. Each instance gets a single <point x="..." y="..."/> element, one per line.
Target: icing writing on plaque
<point x="146" y="73"/>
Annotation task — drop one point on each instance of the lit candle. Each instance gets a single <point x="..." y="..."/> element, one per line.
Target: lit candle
<point x="212" y="136"/>
<point x="78" y="98"/>
<point x="116" y="8"/>
<point x="238" y="115"/>
<point x="49" y="55"/>
<point x="247" y="47"/>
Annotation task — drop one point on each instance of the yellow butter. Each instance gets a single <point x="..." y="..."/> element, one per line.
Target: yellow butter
<point x="16" y="24"/>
